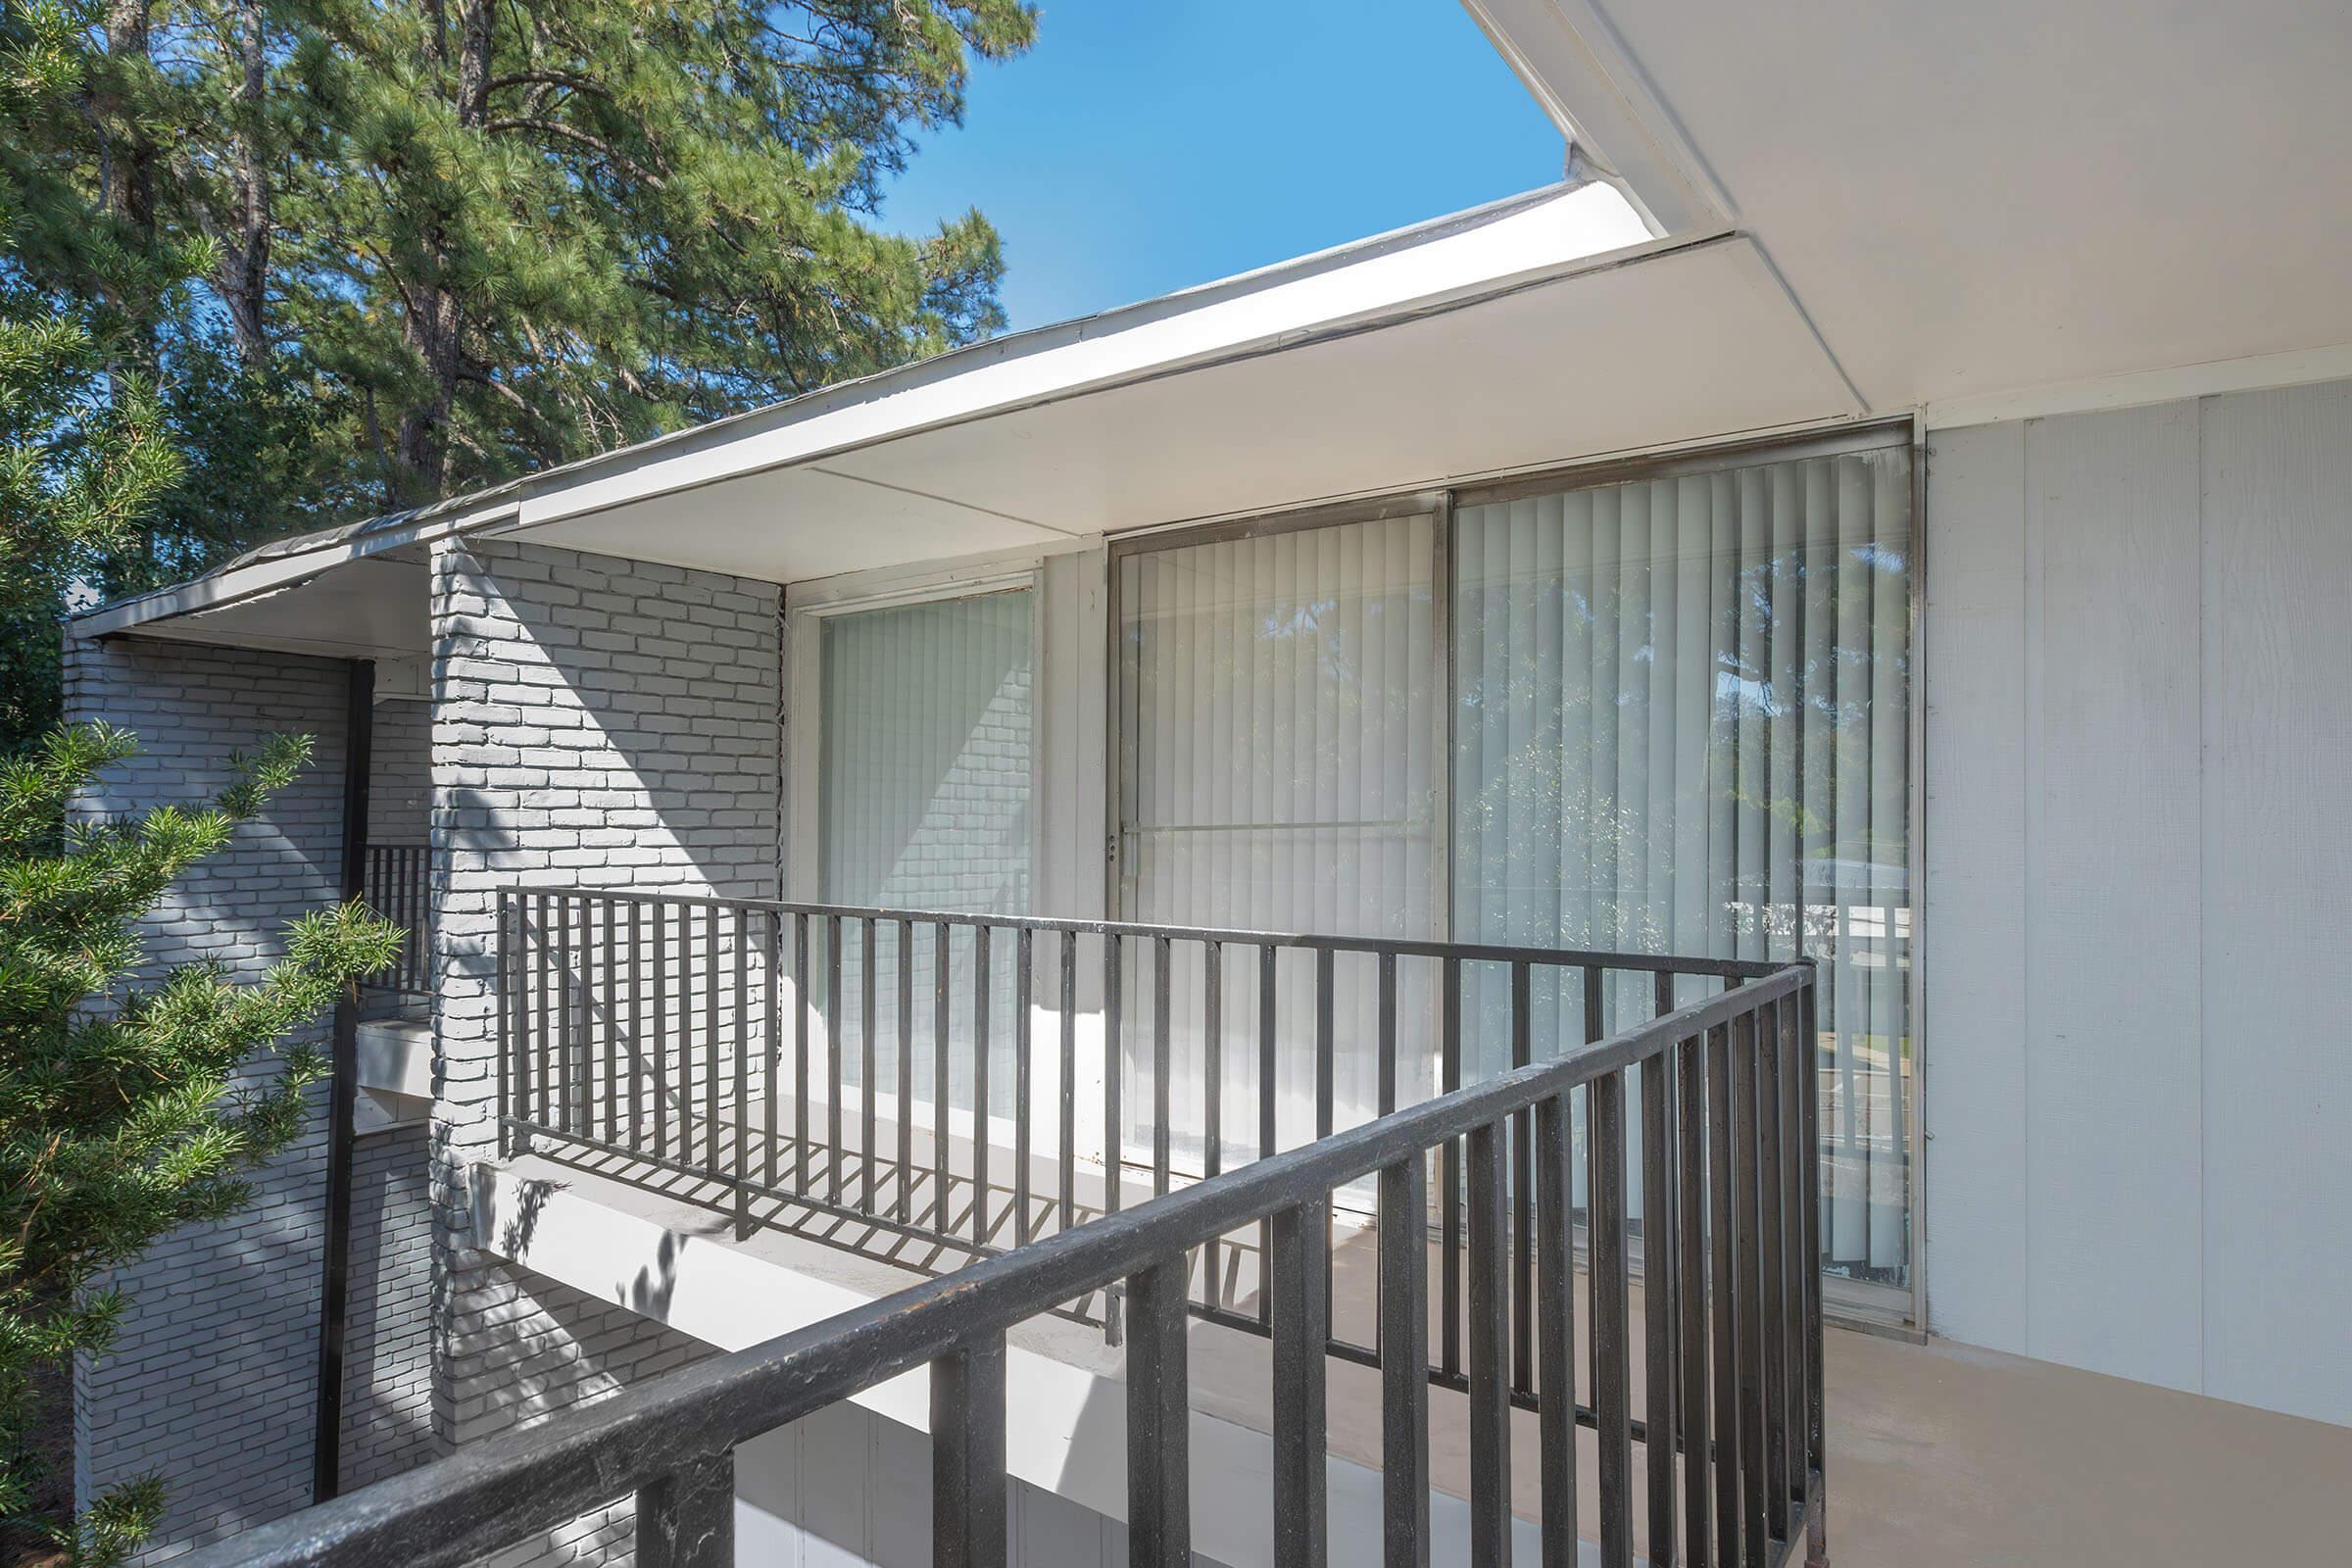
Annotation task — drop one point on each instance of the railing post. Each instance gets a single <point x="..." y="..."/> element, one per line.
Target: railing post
<point x="1159" y="1524"/>
<point x="968" y="1457"/>
<point x="1817" y="1550"/>
<point x="687" y="1518"/>
<point x="1302" y="1335"/>
<point x="1490" y="1364"/>
<point x="1556" y="1369"/>
<point x="1404" y="1363"/>
<point x="1612" y="1345"/>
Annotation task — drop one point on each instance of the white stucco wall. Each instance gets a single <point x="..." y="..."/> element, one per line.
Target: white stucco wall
<point x="2139" y="892"/>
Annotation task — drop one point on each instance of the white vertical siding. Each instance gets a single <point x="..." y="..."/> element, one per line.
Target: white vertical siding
<point x="2138" y="713"/>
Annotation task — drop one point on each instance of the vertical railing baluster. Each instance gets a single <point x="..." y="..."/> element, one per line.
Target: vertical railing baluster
<point x="803" y="1008"/>
<point x="1024" y="1083"/>
<point x="1612" y="1401"/>
<point x="568" y="1036"/>
<point x="869" y="1058"/>
<point x="772" y="1038"/>
<point x="1450" y="1174"/>
<point x="741" y="1171"/>
<point x="711" y="1037"/>
<point x="1069" y="1124"/>
<point x="1748" y="1281"/>
<point x="1721" y="1228"/>
<point x="905" y="1109"/>
<point x="1772" y="1258"/>
<point x="1523" y="1251"/>
<point x="612" y="1021"/>
<point x="502" y="990"/>
<point x="662" y="1040"/>
<point x="1114" y="1136"/>
<point x="1490" y="1338"/>
<point x="980" y="1102"/>
<point x="1595" y="1027"/>
<point x="1267" y="1130"/>
<point x="637" y="1028"/>
<point x="1163" y="1063"/>
<point x="833" y="1074"/>
<point x="1816" y="1433"/>
<point x="941" y="1076"/>
<point x="1158" y="1419"/>
<point x="1690" y="1245"/>
<point x="1302" y="1334"/>
<point x="1555" y="1322"/>
<point x="1658" y="1289"/>
<point x="1403" y="1336"/>
<point x="1212" y="1087"/>
<point x="969" y="1492"/>
<point x="1325" y="1055"/>
<point x="1792" y="1178"/>
<point x="686" y="1518"/>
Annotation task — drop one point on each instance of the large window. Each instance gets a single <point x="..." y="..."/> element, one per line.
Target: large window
<point x="923" y="798"/>
<point x="1680" y="710"/>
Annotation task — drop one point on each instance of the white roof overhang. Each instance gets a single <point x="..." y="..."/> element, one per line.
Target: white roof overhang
<point x="1993" y="209"/>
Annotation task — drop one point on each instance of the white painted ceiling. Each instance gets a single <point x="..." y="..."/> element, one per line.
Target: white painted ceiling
<point x="1970" y="199"/>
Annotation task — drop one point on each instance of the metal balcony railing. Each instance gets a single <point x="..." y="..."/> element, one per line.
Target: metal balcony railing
<point x="1728" y="1332"/>
<point x="394" y="889"/>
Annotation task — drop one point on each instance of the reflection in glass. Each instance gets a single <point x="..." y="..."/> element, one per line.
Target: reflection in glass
<point x="1682" y="726"/>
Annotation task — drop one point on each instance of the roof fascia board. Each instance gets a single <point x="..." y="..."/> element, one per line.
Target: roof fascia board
<point x="235" y="584"/>
<point x="1572" y="60"/>
<point x="1102" y="354"/>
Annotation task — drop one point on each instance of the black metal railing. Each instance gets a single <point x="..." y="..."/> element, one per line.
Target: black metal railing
<point x="779" y="1051"/>
<point x="1729" y="1338"/>
<point x="394" y="889"/>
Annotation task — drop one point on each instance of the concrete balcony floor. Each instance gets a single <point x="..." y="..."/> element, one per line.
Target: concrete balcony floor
<point x="1938" y="1453"/>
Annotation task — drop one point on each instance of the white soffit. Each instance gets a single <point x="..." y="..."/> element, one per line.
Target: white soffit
<point x="1546" y="234"/>
<point x="369" y="607"/>
<point x="1967" y="199"/>
<point x="1684" y="344"/>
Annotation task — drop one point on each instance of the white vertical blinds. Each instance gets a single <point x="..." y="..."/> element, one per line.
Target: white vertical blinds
<point x="1278" y="721"/>
<point x="924" y="782"/>
<point x="1682" y="726"/>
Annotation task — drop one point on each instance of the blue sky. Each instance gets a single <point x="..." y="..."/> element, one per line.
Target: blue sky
<point x="1147" y="145"/>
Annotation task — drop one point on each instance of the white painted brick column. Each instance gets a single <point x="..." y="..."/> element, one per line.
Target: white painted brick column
<point x="596" y="722"/>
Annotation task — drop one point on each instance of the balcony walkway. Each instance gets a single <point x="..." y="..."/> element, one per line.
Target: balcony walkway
<point x="1939" y="1454"/>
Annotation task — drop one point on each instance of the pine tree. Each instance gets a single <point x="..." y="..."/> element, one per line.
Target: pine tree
<point x="128" y="1107"/>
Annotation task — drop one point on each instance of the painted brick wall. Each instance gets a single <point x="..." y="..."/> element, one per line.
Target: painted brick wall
<point x="212" y="1378"/>
<point x="388" y="1335"/>
<point x="399" y="784"/>
<point x="597" y="722"/>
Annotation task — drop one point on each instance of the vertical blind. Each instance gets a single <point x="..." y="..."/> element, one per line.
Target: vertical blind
<point x="924" y="784"/>
<point x="1682" y="726"/>
<point x="1277" y="720"/>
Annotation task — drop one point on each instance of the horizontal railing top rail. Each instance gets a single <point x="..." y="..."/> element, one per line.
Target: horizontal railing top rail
<point x="1229" y="936"/>
<point x="1738" y="1182"/>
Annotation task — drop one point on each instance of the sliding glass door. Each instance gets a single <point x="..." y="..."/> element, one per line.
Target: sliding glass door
<point x="1683" y="721"/>
<point x="1279" y="708"/>
<point x="1679" y="711"/>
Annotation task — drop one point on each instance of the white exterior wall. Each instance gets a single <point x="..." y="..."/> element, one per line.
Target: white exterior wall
<point x="597" y="722"/>
<point x="2137" y="900"/>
